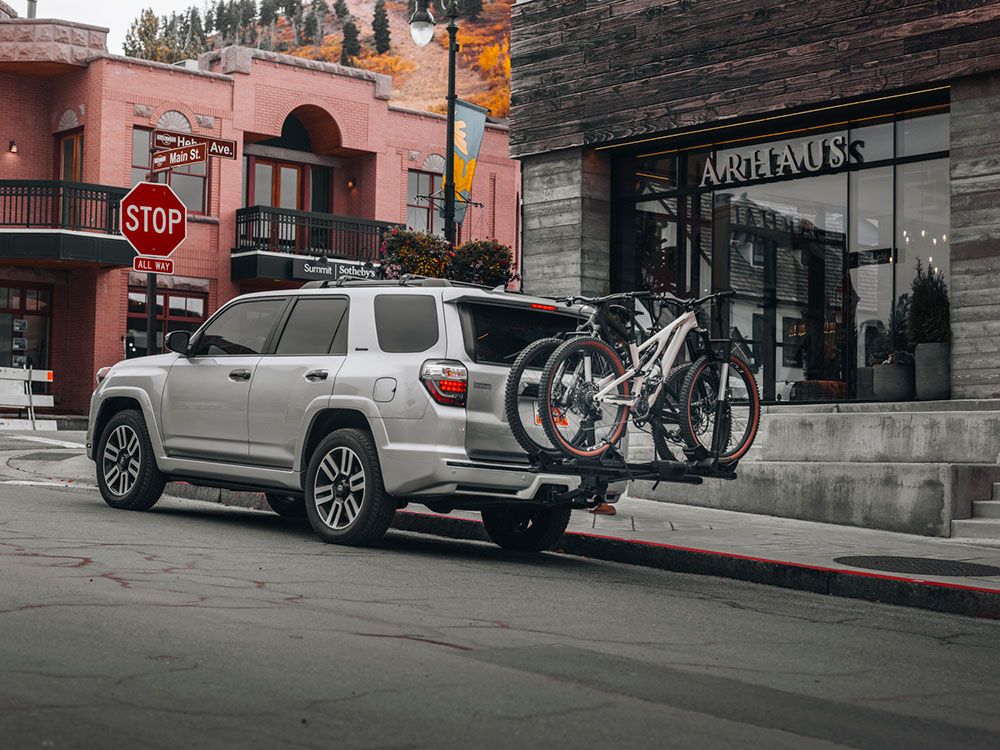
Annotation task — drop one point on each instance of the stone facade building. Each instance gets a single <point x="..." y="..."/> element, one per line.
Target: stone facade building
<point x="325" y="164"/>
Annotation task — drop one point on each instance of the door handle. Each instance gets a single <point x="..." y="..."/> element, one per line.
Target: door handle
<point x="241" y="374"/>
<point x="315" y="376"/>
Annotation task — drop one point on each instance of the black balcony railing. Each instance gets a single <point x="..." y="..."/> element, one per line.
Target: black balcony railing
<point x="54" y="204"/>
<point x="263" y="228"/>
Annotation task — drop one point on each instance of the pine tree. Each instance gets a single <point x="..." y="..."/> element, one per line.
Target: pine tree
<point x="472" y="8"/>
<point x="340" y="8"/>
<point x="380" y="25"/>
<point x="142" y="40"/>
<point x="352" y="42"/>
<point x="268" y="19"/>
<point x="317" y="20"/>
<point x="293" y="14"/>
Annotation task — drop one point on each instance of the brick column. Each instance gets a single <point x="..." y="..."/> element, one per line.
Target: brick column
<point x="567" y="223"/>
<point x="975" y="238"/>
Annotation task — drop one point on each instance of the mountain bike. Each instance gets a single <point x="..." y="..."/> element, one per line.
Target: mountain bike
<point x="587" y="396"/>
<point x="612" y="318"/>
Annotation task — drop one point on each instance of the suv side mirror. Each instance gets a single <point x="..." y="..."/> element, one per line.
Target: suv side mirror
<point x="178" y="341"/>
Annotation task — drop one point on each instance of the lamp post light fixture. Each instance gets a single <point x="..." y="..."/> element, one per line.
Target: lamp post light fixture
<point x="13" y="147"/>
<point x="422" y="30"/>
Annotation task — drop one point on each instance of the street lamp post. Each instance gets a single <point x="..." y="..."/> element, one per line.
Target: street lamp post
<point x="422" y="30"/>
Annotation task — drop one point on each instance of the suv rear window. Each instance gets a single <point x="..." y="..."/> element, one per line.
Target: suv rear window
<point x="406" y="322"/>
<point x="496" y="334"/>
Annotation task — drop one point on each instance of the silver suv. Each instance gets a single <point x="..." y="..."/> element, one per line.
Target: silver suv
<point x="342" y="402"/>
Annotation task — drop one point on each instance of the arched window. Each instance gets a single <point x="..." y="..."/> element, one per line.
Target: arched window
<point x="190" y="183"/>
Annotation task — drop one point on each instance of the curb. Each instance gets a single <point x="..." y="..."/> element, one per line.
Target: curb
<point x="936" y="596"/>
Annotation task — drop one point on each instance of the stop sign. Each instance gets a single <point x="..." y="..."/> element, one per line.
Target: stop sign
<point x="153" y="219"/>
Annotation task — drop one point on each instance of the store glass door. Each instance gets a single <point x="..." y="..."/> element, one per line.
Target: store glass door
<point x="25" y="312"/>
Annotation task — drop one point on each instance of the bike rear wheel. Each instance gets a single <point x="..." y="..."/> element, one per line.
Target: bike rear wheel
<point x="576" y="423"/>
<point x="741" y="413"/>
<point x="522" y="396"/>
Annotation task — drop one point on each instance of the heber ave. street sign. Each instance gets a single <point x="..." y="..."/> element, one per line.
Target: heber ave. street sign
<point x="152" y="265"/>
<point x="179" y="157"/>
<point x="221" y="147"/>
<point x="153" y="219"/>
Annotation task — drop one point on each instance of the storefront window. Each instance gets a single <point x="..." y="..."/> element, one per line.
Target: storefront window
<point x="24" y="326"/>
<point x="818" y="234"/>
<point x="175" y="311"/>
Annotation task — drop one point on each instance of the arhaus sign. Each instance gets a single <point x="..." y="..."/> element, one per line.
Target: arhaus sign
<point x="781" y="160"/>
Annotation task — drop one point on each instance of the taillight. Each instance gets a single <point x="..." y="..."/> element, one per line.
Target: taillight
<point x="446" y="380"/>
<point x="102" y="373"/>
<point x="537" y="306"/>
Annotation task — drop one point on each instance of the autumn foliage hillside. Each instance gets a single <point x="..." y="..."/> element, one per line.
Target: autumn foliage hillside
<point x="320" y="30"/>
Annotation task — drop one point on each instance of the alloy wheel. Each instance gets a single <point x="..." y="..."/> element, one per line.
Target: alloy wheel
<point x="122" y="454"/>
<point x="339" y="488"/>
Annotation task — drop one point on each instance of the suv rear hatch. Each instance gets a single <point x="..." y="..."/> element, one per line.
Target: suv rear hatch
<point x="494" y="333"/>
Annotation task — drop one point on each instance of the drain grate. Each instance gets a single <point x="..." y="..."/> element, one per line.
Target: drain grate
<point x="48" y="456"/>
<point x="927" y="566"/>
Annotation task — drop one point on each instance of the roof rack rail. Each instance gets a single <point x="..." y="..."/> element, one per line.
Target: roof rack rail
<point x="409" y="280"/>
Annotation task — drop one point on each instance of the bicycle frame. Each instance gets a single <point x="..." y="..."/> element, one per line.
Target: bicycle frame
<point x="666" y="343"/>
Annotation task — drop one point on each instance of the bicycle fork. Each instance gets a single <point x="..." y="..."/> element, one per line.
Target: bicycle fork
<point x="721" y="429"/>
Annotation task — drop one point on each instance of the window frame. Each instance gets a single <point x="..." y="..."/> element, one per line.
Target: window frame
<point x="164" y="318"/>
<point x="430" y="207"/>
<point x="268" y="344"/>
<point x="437" y="319"/>
<point x="286" y="317"/>
<point x="205" y="178"/>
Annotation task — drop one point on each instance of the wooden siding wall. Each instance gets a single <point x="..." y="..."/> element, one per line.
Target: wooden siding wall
<point x="590" y="72"/>
<point x="975" y="238"/>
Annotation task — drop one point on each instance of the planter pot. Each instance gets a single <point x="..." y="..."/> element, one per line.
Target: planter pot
<point x="894" y="382"/>
<point x="866" y="383"/>
<point x="933" y="371"/>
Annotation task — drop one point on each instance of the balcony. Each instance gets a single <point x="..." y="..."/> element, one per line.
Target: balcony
<point x="277" y="243"/>
<point x="62" y="221"/>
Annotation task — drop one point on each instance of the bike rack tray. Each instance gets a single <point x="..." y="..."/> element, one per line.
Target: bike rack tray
<point x="616" y="469"/>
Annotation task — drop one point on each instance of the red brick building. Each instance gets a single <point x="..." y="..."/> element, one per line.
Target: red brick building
<point x="325" y="165"/>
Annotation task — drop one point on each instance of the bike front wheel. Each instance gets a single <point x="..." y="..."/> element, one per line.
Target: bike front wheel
<point x="578" y="422"/>
<point x="740" y="413"/>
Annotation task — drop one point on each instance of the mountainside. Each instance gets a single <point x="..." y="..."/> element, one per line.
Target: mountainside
<point x="344" y="31"/>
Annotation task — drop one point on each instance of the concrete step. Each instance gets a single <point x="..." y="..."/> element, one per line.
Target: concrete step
<point x="976" y="528"/>
<point x="879" y="437"/>
<point x="986" y="508"/>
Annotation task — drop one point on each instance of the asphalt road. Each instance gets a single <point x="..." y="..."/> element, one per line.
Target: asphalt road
<point x="200" y="626"/>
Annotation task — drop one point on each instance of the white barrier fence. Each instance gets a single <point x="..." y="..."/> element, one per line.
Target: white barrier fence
<point x="15" y="392"/>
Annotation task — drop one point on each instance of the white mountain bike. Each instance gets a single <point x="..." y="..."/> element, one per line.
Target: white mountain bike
<point x="587" y="397"/>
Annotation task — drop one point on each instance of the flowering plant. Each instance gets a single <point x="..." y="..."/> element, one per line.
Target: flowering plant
<point x="407" y="252"/>
<point x="485" y="262"/>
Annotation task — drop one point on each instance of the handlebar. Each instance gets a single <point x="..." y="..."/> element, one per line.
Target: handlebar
<point x="684" y="304"/>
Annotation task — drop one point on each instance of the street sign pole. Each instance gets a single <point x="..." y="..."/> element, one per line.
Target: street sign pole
<point x="151" y="282"/>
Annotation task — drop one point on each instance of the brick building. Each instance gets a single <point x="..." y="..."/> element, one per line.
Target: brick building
<point x="325" y="165"/>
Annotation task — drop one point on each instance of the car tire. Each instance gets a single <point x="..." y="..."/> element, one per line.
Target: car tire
<point x="287" y="506"/>
<point x="533" y="529"/>
<point x="127" y="475"/>
<point x="346" y="502"/>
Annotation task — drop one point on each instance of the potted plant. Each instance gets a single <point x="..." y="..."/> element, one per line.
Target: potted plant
<point x="893" y="377"/>
<point x="407" y="252"/>
<point x="486" y="262"/>
<point x="930" y="330"/>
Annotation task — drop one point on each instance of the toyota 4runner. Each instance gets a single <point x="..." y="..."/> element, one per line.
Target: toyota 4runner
<point x="341" y="402"/>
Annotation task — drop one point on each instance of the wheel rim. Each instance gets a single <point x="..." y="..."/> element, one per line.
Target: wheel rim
<point x="339" y="488"/>
<point x="581" y="423"/>
<point x="121" y="460"/>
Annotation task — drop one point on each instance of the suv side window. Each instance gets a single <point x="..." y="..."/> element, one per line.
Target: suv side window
<point x="240" y="329"/>
<point x="406" y="322"/>
<point x="316" y="326"/>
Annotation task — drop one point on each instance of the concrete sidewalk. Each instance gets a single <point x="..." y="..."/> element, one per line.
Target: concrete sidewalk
<point x="948" y="575"/>
<point x="763" y="549"/>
